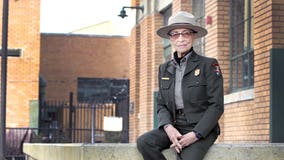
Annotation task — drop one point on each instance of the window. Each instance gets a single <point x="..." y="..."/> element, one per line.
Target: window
<point x="241" y="45"/>
<point x="166" y="42"/>
<point x="101" y="89"/>
<point x="198" y="10"/>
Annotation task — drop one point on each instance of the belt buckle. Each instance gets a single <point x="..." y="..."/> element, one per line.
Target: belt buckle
<point x="179" y="111"/>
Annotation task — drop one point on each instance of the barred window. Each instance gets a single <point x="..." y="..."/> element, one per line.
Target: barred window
<point x="198" y="10"/>
<point x="241" y="45"/>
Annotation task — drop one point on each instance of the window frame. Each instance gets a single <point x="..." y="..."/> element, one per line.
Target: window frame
<point x="246" y="56"/>
<point x="199" y="44"/>
<point x="167" y="48"/>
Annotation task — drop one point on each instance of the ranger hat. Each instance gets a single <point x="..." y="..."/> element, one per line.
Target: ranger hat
<point x="182" y="20"/>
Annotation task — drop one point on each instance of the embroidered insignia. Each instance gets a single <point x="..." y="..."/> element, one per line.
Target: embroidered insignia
<point x="165" y="78"/>
<point x="217" y="69"/>
<point x="197" y="72"/>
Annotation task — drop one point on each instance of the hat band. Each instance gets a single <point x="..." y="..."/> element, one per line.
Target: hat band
<point x="187" y="24"/>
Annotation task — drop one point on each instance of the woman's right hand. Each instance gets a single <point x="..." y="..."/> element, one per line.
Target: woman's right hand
<point x="174" y="137"/>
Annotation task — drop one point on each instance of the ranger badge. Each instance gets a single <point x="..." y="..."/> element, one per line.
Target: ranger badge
<point x="197" y="72"/>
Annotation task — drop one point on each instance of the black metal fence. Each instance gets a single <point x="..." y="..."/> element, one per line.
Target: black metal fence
<point x="15" y="138"/>
<point x="66" y="122"/>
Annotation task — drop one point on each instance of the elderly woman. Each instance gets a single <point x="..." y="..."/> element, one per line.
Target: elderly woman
<point x="190" y="98"/>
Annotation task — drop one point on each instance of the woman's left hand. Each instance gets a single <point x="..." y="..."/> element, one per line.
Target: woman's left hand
<point x="187" y="139"/>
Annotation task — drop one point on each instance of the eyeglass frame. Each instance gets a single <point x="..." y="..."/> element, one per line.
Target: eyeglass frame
<point x="185" y="34"/>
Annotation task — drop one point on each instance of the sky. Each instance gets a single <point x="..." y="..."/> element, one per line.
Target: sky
<point x="64" y="16"/>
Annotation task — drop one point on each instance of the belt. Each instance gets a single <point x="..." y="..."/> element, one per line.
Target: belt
<point x="179" y="112"/>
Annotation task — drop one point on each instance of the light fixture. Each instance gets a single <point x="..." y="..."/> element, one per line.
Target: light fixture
<point x="123" y="12"/>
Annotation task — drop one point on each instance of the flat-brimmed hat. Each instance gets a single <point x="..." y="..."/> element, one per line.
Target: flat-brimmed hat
<point x="182" y="20"/>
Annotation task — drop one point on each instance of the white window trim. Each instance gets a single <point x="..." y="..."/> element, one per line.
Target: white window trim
<point x="239" y="96"/>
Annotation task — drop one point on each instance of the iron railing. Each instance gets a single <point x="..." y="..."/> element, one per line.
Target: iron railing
<point x="61" y="122"/>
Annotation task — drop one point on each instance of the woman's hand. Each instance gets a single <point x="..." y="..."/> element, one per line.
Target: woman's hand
<point x="184" y="140"/>
<point x="188" y="139"/>
<point x="174" y="137"/>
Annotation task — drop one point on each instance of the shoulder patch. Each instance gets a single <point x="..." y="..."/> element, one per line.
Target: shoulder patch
<point x="217" y="69"/>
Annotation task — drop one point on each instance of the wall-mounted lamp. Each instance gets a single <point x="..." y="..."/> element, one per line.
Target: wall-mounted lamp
<point x="123" y="12"/>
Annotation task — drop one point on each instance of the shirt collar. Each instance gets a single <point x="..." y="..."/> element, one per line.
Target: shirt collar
<point x="183" y="59"/>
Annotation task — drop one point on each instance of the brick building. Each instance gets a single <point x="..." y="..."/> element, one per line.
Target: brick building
<point x="23" y="62"/>
<point x="65" y="58"/>
<point x="247" y="39"/>
<point x="59" y="58"/>
<point x="95" y="68"/>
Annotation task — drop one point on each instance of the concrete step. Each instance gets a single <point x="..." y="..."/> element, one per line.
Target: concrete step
<point x="111" y="151"/>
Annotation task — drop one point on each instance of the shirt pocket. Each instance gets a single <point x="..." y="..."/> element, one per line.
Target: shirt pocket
<point x="197" y="91"/>
<point x="197" y="84"/>
<point x="165" y="84"/>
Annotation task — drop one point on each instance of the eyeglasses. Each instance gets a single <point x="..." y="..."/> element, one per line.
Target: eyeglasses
<point x="185" y="34"/>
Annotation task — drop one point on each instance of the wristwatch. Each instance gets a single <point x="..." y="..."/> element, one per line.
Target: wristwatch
<point x="167" y="125"/>
<point x="198" y="135"/>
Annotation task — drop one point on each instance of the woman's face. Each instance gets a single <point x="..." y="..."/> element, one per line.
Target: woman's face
<point x="182" y="40"/>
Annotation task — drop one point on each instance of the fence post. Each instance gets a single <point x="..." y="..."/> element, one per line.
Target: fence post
<point x="125" y="105"/>
<point x="70" y="115"/>
<point x="93" y="119"/>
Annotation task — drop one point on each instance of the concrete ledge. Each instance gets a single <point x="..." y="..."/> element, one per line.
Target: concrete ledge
<point x="109" y="151"/>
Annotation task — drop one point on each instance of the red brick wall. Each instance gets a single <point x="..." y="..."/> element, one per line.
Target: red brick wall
<point x="23" y="71"/>
<point x="268" y="34"/>
<point x="217" y="40"/>
<point x="145" y="85"/>
<point x="134" y="66"/>
<point x="65" y="57"/>
<point x="243" y="120"/>
<point x="249" y="121"/>
<point x="181" y="5"/>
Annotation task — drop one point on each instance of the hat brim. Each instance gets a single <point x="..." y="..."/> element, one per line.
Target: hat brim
<point x="164" y="31"/>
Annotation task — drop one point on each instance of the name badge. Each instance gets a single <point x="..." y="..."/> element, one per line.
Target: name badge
<point x="165" y="78"/>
